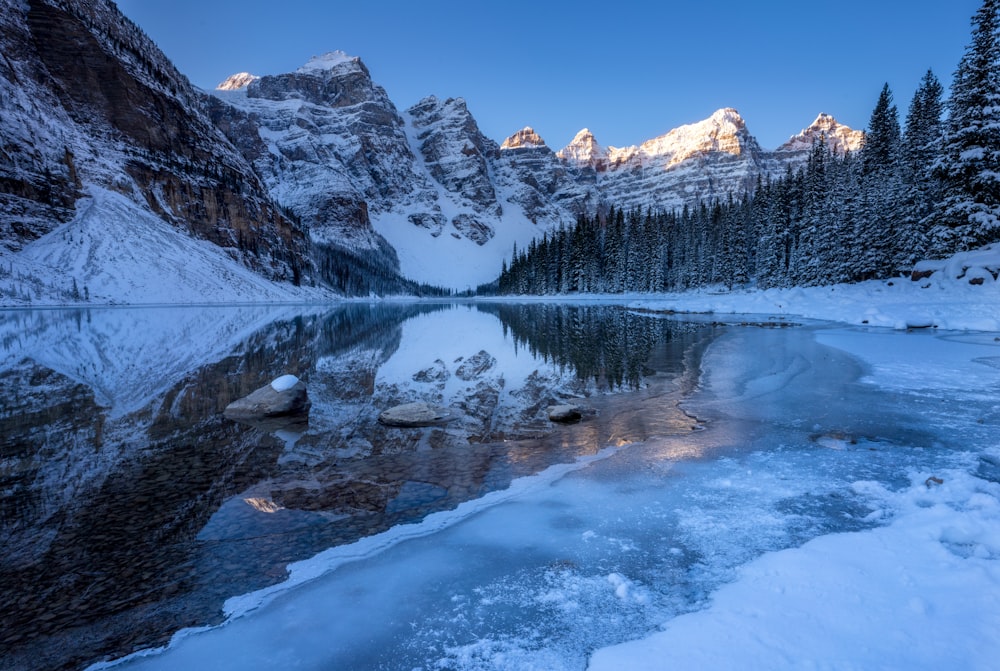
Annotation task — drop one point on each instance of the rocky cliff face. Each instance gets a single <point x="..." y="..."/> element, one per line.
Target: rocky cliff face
<point x="89" y="100"/>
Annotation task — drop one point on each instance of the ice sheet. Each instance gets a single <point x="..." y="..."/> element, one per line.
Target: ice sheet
<point x="810" y="504"/>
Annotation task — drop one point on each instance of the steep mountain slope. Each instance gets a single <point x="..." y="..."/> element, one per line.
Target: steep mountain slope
<point x="89" y="102"/>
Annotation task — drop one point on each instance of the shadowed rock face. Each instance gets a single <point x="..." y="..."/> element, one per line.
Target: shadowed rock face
<point x="128" y="121"/>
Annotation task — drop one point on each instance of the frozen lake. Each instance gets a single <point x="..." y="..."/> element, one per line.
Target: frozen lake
<point x="133" y="510"/>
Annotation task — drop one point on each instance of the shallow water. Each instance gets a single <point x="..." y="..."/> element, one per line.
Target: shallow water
<point x="132" y="509"/>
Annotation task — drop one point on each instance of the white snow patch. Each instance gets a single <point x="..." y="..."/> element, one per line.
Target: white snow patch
<point x="946" y="300"/>
<point x="284" y="383"/>
<point x="922" y="592"/>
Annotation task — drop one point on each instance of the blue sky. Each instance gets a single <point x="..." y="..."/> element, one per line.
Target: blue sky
<point x="629" y="71"/>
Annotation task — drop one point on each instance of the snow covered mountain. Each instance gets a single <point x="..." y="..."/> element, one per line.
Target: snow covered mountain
<point x="307" y="177"/>
<point x="428" y="186"/>
<point x="93" y="114"/>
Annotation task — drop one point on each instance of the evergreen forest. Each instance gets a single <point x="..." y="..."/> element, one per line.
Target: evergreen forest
<point x="927" y="188"/>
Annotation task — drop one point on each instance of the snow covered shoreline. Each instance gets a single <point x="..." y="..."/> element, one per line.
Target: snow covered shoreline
<point x="920" y="593"/>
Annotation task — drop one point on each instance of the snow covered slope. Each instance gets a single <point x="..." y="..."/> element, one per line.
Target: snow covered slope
<point x="116" y="251"/>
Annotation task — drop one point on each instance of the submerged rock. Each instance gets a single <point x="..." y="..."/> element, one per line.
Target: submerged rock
<point x="284" y="396"/>
<point x="416" y="415"/>
<point x="565" y="413"/>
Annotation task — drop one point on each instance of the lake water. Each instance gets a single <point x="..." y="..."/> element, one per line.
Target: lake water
<point x="132" y="509"/>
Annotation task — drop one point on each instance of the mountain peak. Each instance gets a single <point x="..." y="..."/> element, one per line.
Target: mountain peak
<point x="522" y="139"/>
<point x="236" y="82"/>
<point x="723" y="132"/>
<point x="727" y="115"/>
<point x="839" y="138"/>
<point x="585" y="150"/>
<point x="332" y="61"/>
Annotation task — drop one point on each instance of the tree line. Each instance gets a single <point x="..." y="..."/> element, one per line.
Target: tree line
<point x="927" y="189"/>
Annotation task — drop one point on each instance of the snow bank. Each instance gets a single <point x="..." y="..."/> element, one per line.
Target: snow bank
<point x="921" y="592"/>
<point x="946" y="299"/>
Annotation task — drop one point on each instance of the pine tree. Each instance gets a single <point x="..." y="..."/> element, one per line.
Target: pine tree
<point x="968" y="213"/>
<point x="878" y="227"/>
<point x="921" y="145"/>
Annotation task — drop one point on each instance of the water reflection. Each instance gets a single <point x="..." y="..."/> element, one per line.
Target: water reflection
<point x="131" y="507"/>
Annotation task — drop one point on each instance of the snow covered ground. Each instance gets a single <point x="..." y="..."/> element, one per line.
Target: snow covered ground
<point x="946" y="299"/>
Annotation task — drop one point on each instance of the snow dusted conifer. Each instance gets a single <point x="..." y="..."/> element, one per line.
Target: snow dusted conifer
<point x="968" y="212"/>
<point x="921" y="146"/>
<point x="922" y="139"/>
<point x="880" y="243"/>
<point x="880" y="152"/>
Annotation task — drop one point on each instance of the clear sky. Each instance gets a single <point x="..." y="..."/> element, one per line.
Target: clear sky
<point x="629" y="71"/>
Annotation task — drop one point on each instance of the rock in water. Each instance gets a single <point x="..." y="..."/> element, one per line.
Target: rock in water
<point x="415" y="415"/>
<point x="284" y="396"/>
<point x="565" y="413"/>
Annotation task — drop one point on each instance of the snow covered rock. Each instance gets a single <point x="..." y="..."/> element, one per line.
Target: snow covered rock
<point x="88" y="102"/>
<point x="585" y="151"/>
<point x="413" y="415"/>
<point x="839" y="138"/>
<point x="238" y="81"/>
<point x="526" y="137"/>
<point x="284" y="396"/>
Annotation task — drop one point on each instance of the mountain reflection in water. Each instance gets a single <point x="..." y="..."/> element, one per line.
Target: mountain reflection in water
<point x="132" y="508"/>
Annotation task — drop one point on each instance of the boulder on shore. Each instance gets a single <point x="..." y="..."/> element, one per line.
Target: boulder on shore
<point x="411" y="415"/>
<point x="283" y="397"/>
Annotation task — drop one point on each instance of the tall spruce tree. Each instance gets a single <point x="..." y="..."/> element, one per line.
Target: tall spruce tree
<point x="968" y="212"/>
<point x="878" y="235"/>
<point x="921" y="146"/>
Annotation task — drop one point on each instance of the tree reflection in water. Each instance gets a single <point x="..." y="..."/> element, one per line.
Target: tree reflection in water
<point x="132" y="508"/>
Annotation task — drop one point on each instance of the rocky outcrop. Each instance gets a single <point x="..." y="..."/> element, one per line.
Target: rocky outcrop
<point x="585" y="152"/>
<point x="714" y="158"/>
<point x="542" y="185"/>
<point x="94" y="102"/>
<point x="526" y="137"/>
<point x="454" y="150"/>
<point x="238" y="81"/>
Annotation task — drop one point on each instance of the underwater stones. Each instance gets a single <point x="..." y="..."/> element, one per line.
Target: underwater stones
<point x="284" y="396"/>
<point x="418" y="414"/>
<point x="565" y="413"/>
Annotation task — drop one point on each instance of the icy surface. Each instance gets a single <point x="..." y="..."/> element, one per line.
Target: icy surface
<point x="838" y="510"/>
<point x="920" y="593"/>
